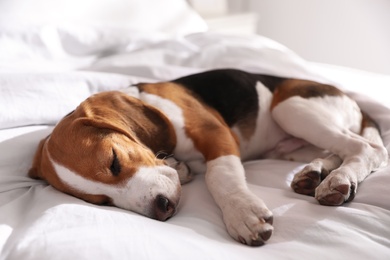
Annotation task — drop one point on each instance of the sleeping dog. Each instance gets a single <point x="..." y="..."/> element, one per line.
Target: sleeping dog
<point x="115" y="148"/>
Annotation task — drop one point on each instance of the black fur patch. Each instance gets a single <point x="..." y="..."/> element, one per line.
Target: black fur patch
<point x="231" y="92"/>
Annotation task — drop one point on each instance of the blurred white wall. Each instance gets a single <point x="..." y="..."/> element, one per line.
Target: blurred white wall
<point x="353" y="33"/>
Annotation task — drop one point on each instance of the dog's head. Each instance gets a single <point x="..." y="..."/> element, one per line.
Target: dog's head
<point x="104" y="152"/>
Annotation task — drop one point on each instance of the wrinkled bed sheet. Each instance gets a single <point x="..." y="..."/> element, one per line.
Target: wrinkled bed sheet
<point x="53" y="69"/>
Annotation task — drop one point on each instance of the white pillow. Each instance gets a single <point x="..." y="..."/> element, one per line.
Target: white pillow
<point x="169" y="16"/>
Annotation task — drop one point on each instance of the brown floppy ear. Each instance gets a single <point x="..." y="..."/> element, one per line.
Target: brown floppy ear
<point x="35" y="170"/>
<point x="130" y="116"/>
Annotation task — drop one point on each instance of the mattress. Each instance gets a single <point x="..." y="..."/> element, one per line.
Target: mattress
<point x="47" y="69"/>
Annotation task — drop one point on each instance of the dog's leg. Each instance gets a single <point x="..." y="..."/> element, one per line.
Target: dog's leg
<point x="246" y="217"/>
<point x="202" y="134"/>
<point x="332" y="127"/>
<point x="341" y="184"/>
<point x="308" y="179"/>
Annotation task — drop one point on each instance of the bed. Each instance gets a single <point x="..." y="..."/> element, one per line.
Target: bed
<point x="52" y="60"/>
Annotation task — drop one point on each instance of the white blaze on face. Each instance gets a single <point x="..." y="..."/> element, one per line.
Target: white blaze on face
<point x="137" y="194"/>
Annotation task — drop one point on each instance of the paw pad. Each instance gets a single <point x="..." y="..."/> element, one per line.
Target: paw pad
<point x="306" y="183"/>
<point x="338" y="195"/>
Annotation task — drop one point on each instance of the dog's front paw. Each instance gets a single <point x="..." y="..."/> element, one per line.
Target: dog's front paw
<point x="184" y="172"/>
<point x="247" y="219"/>
<point x="336" y="189"/>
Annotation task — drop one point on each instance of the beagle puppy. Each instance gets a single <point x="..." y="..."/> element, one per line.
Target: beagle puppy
<point x="116" y="147"/>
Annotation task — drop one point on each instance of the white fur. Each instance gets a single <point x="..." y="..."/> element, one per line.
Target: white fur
<point x="137" y="194"/>
<point x="311" y="118"/>
<point x="267" y="133"/>
<point x="295" y="125"/>
<point x="185" y="149"/>
<point x="243" y="212"/>
<point x="227" y="170"/>
<point x="333" y="123"/>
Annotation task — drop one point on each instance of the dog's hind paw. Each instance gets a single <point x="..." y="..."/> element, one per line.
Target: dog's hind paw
<point x="306" y="181"/>
<point x="335" y="190"/>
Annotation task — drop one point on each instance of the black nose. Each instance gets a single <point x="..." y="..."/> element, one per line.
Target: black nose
<point x="164" y="208"/>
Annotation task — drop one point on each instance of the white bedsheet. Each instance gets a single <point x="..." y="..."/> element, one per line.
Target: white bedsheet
<point x="54" y="68"/>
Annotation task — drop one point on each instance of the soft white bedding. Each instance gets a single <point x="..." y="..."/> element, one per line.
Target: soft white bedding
<point x="46" y="70"/>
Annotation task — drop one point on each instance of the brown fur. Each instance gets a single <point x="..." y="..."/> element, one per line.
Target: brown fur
<point x="303" y="88"/>
<point x="201" y="129"/>
<point x="96" y="132"/>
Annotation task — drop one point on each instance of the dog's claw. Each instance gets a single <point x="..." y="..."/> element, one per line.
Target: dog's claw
<point x="257" y="242"/>
<point x="260" y="238"/>
<point x="252" y="224"/>
<point x="242" y="240"/>
<point x="352" y="192"/>
<point x="269" y="220"/>
<point x="266" y="235"/>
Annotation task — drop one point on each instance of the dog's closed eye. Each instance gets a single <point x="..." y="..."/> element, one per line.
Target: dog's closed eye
<point x="115" y="167"/>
